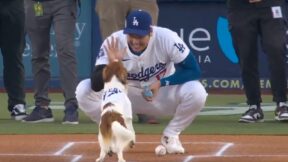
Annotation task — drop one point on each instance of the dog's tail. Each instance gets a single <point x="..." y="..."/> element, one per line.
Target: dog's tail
<point x="122" y="132"/>
<point x="112" y="121"/>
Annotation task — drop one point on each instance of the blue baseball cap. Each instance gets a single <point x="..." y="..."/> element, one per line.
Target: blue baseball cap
<point x="138" y="22"/>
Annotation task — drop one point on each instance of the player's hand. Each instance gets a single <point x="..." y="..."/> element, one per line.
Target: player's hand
<point x="151" y="92"/>
<point x="147" y="93"/>
<point x="155" y="87"/>
<point x="113" y="51"/>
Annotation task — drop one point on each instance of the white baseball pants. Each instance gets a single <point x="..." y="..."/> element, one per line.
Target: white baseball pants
<point x="183" y="102"/>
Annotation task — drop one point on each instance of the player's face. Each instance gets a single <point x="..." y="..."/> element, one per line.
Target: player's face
<point x="138" y="43"/>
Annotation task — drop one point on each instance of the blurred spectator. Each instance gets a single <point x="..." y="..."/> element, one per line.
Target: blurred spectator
<point x="112" y="13"/>
<point x="12" y="47"/>
<point x="41" y="16"/>
<point x="251" y="21"/>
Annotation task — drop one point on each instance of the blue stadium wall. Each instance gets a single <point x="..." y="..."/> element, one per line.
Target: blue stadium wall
<point x="202" y="24"/>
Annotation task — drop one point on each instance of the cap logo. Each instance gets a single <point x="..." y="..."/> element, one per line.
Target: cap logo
<point x="135" y="22"/>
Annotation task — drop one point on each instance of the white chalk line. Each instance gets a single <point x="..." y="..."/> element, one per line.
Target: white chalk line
<point x="76" y="158"/>
<point x="152" y="143"/>
<point x="188" y="158"/>
<point x="223" y="149"/>
<point x="64" y="148"/>
<point x="41" y="155"/>
<point x="250" y="155"/>
<point x="217" y="154"/>
<point x="193" y="156"/>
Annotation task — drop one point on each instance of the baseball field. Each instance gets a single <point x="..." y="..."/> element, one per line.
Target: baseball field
<point x="214" y="136"/>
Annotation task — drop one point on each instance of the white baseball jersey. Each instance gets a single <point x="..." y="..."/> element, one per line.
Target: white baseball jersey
<point x="164" y="49"/>
<point x="119" y="98"/>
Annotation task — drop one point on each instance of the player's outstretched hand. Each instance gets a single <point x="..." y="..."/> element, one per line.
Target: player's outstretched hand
<point x="113" y="51"/>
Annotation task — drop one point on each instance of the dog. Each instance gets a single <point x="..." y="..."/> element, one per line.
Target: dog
<point x="116" y="132"/>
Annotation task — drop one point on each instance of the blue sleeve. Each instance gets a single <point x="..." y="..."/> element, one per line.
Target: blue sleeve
<point x="185" y="71"/>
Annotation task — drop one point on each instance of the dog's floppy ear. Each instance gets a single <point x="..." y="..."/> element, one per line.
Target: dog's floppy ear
<point x="122" y="74"/>
<point x="117" y="69"/>
<point x="106" y="74"/>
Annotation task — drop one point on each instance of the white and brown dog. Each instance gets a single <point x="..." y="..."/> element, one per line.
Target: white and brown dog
<point x="116" y="132"/>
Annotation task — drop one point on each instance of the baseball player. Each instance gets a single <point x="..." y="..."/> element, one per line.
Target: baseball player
<point x="162" y="76"/>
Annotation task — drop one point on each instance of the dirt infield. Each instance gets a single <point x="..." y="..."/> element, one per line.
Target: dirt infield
<point x="199" y="148"/>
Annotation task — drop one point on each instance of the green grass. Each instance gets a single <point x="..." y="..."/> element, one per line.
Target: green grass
<point x="212" y="124"/>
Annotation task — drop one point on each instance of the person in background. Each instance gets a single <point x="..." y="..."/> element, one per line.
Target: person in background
<point x="112" y="14"/>
<point x="163" y="76"/>
<point x="12" y="43"/>
<point x="251" y="21"/>
<point x="41" y="16"/>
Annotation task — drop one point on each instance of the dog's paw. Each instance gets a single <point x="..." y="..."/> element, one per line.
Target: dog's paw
<point x="110" y="153"/>
<point x="99" y="160"/>
<point x="131" y="144"/>
<point x="121" y="160"/>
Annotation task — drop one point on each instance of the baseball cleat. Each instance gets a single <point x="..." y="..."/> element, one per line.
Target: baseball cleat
<point x="172" y="145"/>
